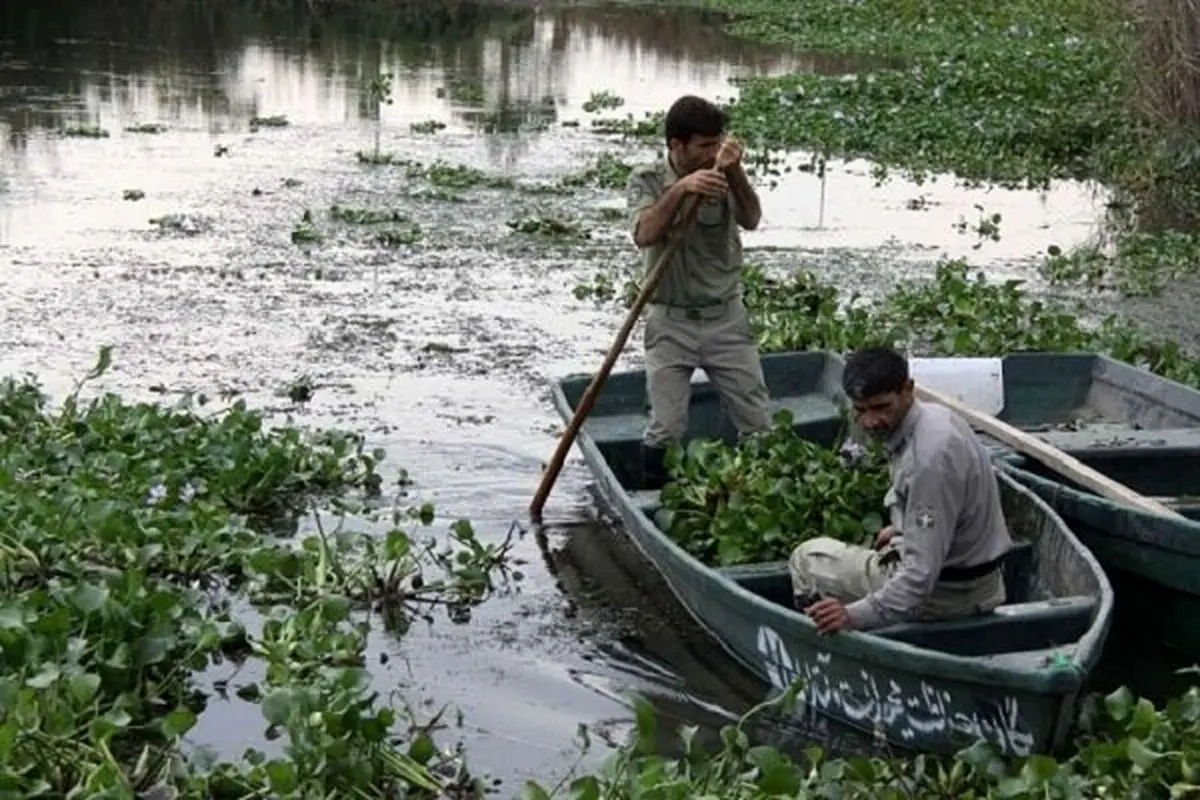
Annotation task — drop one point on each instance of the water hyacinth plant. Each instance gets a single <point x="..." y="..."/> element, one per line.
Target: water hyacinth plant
<point x="136" y="542"/>
<point x="755" y="502"/>
<point x="1127" y="748"/>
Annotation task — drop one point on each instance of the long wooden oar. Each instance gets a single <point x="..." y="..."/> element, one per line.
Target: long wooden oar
<point x="657" y="273"/>
<point x="1062" y="463"/>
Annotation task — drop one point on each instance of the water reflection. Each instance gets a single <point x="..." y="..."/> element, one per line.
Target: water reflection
<point x="476" y="68"/>
<point x="116" y="66"/>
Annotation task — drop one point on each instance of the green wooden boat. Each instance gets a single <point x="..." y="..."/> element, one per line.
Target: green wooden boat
<point x="1152" y="561"/>
<point x="1012" y="677"/>
<point x="1137" y="428"/>
<point x="1071" y="401"/>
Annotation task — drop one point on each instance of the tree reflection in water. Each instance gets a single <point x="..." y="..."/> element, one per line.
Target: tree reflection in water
<point x="185" y="63"/>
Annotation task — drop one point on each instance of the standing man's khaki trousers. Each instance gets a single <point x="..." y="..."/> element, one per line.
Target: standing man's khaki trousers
<point x="717" y="339"/>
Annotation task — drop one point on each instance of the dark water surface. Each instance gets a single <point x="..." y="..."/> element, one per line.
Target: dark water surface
<point x="440" y="350"/>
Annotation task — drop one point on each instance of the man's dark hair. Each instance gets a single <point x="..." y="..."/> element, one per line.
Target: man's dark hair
<point x="873" y="371"/>
<point x="693" y="116"/>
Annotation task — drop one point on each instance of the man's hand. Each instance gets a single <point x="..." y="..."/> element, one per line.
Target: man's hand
<point x="729" y="154"/>
<point x="884" y="537"/>
<point x="829" y="615"/>
<point x="706" y="182"/>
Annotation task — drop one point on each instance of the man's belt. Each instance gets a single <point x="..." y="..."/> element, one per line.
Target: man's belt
<point x="964" y="574"/>
<point x="713" y="309"/>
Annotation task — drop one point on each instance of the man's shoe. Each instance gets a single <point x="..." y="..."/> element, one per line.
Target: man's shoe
<point x="654" y="469"/>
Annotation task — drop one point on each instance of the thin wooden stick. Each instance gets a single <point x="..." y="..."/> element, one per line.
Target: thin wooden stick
<point x="657" y="273"/>
<point x="1052" y="457"/>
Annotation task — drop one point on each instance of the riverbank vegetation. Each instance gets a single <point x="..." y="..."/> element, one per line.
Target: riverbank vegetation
<point x="152" y="567"/>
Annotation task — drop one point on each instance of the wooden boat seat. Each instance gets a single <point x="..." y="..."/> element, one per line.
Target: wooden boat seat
<point x="1023" y="626"/>
<point x="1120" y="437"/>
<point x="1043" y="658"/>
<point x="1011" y="627"/>
<point x="612" y="429"/>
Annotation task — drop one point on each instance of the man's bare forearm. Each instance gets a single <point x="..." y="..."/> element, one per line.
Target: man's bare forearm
<point x="655" y="221"/>
<point x="749" y="211"/>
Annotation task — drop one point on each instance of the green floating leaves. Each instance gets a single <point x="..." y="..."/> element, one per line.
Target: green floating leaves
<point x="959" y="312"/>
<point x="756" y="501"/>
<point x="84" y="687"/>
<point x="1111" y="762"/>
<point x="133" y="532"/>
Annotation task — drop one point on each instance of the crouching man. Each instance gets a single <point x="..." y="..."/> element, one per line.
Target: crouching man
<point x="941" y="556"/>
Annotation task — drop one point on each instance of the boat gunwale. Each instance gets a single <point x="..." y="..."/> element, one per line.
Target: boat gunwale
<point x="1009" y="464"/>
<point x="864" y="646"/>
<point x="1104" y="364"/>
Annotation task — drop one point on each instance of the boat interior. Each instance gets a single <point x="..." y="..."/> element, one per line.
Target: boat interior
<point x="1083" y="401"/>
<point x="1053" y="593"/>
<point x="1047" y="610"/>
<point x="1169" y="474"/>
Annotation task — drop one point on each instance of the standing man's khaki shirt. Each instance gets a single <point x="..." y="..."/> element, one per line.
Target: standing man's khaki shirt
<point x="944" y="501"/>
<point x="706" y="269"/>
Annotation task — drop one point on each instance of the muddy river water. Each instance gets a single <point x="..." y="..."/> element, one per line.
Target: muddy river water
<point x="441" y="349"/>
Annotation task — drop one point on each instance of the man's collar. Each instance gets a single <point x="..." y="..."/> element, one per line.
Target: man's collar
<point x="669" y="173"/>
<point x="901" y="434"/>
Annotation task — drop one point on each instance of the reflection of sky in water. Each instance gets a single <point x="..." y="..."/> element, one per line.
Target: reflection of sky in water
<point x="557" y="59"/>
<point x="537" y="66"/>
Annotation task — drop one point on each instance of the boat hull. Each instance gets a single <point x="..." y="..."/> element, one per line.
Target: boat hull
<point x="1152" y="561"/>
<point x="911" y="696"/>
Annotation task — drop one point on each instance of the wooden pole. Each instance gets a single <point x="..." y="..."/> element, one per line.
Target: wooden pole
<point x="657" y="273"/>
<point x="1052" y="457"/>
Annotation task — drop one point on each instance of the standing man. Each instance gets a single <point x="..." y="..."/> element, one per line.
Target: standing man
<point x="696" y="318"/>
<point x="941" y="556"/>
